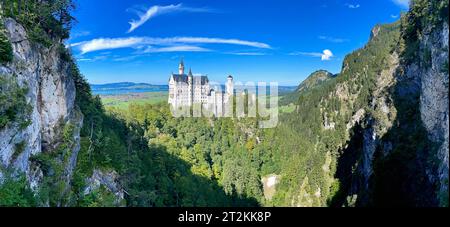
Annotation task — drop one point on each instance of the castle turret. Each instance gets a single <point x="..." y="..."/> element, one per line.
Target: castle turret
<point x="190" y="77"/>
<point x="191" y="91"/>
<point x="181" y="67"/>
<point x="229" y="86"/>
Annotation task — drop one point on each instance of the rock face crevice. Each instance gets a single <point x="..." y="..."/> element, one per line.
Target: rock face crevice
<point x="51" y="93"/>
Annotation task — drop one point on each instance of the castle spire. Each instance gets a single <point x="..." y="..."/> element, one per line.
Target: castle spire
<point x="181" y="67"/>
<point x="190" y="72"/>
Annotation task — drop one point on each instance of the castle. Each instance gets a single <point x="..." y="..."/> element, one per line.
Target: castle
<point x="186" y="90"/>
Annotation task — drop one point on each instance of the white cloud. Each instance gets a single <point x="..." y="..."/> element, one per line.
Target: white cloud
<point x="394" y="16"/>
<point x="175" y="49"/>
<point x="107" y="44"/>
<point x="135" y="42"/>
<point x="352" y="6"/>
<point x="333" y="39"/>
<point x="402" y="3"/>
<point x="214" y="41"/>
<point x="325" y="55"/>
<point x="160" y="10"/>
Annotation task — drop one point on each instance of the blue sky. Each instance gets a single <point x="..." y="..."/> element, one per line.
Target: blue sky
<point x="253" y="40"/>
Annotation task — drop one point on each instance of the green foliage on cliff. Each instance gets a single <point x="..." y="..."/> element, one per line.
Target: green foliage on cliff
<point x="54" y="190"/>
<point x="13" y="104"/>
<point x="45" y="21"/>
<point x="15" y="192"/>
<point x="6" y="54"/>
<point x="98" y="198"/>
<point x="18" y="149"/>
<point x="423" y="17"/>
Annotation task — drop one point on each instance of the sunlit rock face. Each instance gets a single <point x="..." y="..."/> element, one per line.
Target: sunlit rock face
<point x="51" y="94"/>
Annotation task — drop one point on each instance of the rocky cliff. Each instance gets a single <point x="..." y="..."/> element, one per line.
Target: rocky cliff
<point x="397" y="152"/>
<point x="384" y="117"/>
<point x="434" y="101"/>
<point x="41" y="122"/>
<point x="51" y="94"/>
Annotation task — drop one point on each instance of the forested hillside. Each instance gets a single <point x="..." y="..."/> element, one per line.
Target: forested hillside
<point x="376" y="134"/>
<point x="313" y="80"/>
<point x="366" y="129"/>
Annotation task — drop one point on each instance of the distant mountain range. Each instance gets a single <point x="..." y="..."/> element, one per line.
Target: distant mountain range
<point x="130" y="87"/>
<point x="126" y="87"/>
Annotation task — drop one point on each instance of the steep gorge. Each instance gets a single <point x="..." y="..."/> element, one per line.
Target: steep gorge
<point x="376" y="134"/>
<point x="385" y="116"/>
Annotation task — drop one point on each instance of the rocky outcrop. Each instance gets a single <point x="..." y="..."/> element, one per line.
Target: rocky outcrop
<point x="51" y="93"/>
<point x="269" y="183"/>
<point x="315" y="79"/>
<point x="109" y="180"/>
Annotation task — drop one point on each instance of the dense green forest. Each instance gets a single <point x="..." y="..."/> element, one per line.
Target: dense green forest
<point x="167" y="161"/>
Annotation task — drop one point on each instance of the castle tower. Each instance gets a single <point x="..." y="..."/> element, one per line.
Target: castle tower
<point x="181" y="67"/>
<point x="230" y="86"/>
<point x="190" y="78"/>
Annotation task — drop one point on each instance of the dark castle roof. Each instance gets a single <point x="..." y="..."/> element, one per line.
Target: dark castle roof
<point x="180" y="78"/>
<point x="201" y="80"/>
<point x="184" y="78"/>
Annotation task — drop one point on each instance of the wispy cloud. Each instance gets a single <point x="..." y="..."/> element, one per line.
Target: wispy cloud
<point x="175" y="49"/>
<point x="352" y="6"/>
<point x="325" y="55"/>
<point x="78" y="34"/>
<point x="127" y="58"/>
<point x="107" y="44"/>
<point x="248" y="53"/>
<point x="333" y="39"/>
<point x="394" y="16"/>
<point x="134" y="42"/>
<point x="96" y="58"/>
<point x="311" y="54"/>
<point x="213" y="41"/>
<point x="84" y="59"/>
<point x="402" y="3"/>
<point x="157" y="10"/>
